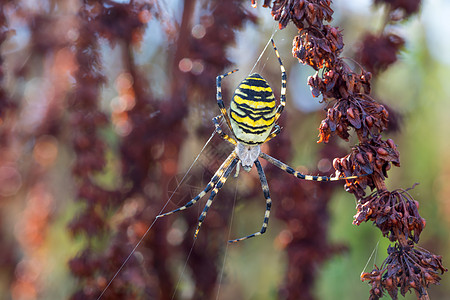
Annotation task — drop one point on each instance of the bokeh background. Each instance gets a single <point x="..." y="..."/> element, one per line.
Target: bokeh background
<point x="106" y="105"/>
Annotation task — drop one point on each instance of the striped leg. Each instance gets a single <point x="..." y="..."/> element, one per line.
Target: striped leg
<point x="220" y="131"/>
<point x="219" y="96"/>
<point x="230" y="159"/>
<point x="283" y="84"/>
<point x="290" y="170"/>
<point x="274" y="133"/>
<point x="265" y="188"/>
<point x="213" y="194"/>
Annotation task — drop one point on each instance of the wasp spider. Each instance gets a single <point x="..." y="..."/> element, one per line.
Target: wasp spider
<point x="252" y="120"/>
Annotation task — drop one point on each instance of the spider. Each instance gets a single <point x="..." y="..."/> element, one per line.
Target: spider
<point x="252" y="120"/>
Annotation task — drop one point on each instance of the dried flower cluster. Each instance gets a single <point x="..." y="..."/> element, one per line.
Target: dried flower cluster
<point x="404" y="268"/>
<point x="392" y="211"/>
<point x="374" y="157"/>
<point x="395" y="213"/>
<point x="378" y="52"/>
<point x="316" y="50"/>
<point x="359" y="112"/>
<point x="406" y="7"/>
<point x="302" y="13"/>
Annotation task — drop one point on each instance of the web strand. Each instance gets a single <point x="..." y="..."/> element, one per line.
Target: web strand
<point x="264" y="50"/>
<point x="154" y="221"/>
<point x="169" y="200"/>
<point x="374" y="253"/>
<point x="229" y="237"/>
<point x="183" y="270"/>
<point x="232" y="212"/>
<point x="236" y="188"/>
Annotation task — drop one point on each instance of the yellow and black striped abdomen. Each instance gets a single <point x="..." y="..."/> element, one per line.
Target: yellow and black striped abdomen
<point x="252" y="110"/>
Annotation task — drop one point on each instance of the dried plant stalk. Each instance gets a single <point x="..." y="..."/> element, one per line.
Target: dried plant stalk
<point x="395" y="213"/>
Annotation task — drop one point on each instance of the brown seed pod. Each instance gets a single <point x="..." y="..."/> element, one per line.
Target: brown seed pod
<point x="391" y="143"/>
<point x="350" y="113"/>
<point x="369" y="121"/>
<point x="382" y="151"/>
<point x="360" y="158"/>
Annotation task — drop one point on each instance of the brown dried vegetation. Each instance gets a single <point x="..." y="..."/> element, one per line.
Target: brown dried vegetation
<point x="394" y="213"/>
<point x="150" y="131"/>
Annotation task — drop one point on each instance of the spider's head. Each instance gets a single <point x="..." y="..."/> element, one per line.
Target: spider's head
<point x="248" y="155"/>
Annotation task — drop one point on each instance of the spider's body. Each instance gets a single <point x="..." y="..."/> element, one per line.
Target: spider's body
<point x="252" y="120"/>
<point x="252" y="110"/>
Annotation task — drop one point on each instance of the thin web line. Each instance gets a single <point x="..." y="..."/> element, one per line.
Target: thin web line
<point x="170" y="198"/>
<point x="151" y="225"/>
<point x="236" y="189"/>
<point x="374" y="251"/>
<point x="264" y="50"/>
<point x="184" y="269"/>
<point x="193" y="243"/>
<point x="229" y="237"/>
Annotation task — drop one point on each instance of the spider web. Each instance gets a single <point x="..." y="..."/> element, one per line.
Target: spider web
<point x="219" y="283"/>
<point x="170" y="199"/>
<point x="374" y="254"/>
<point x="225" y="254"/>
<point x="262" y="53"/>
<point x="154" y="221"/>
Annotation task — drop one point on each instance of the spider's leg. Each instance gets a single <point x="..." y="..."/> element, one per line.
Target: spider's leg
<point x="273" y="134"/>
<point x="220" y="131"/>
<point x="290" y="170"/>
<point x="283" y="84"/>
<point x="209" y="186"/>
<point x="214" y="192"/>
<point x="219" y="96"/>
<point x="265" y="188"/>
